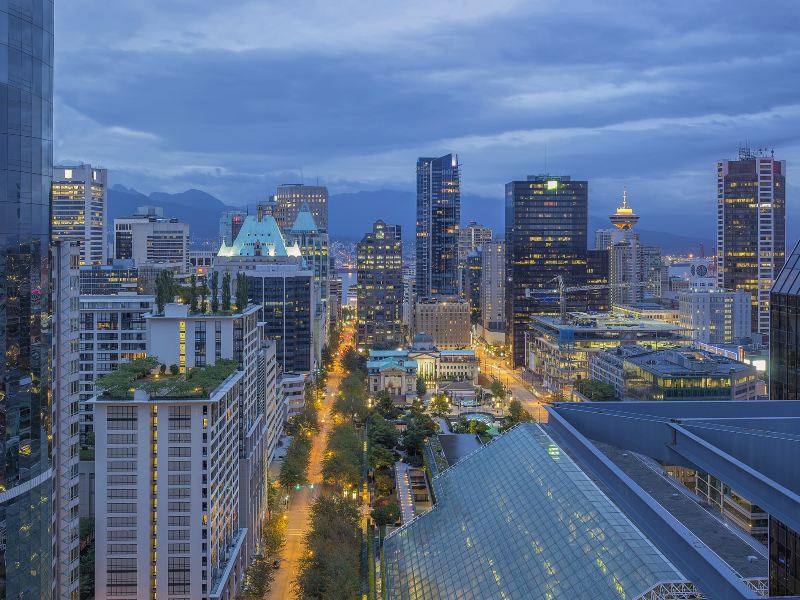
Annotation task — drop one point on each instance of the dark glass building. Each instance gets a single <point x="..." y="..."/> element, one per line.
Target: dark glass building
<point x="472" y="284"/>
<point x="784" y="332"/>
<point x="285" y="293"/>
<point x="26" y="165"/>
<point x="597" y="273"/>
<point x="119" y="277"/>
<point x="379" y="322"/>
<point x="546" y="219"/>
<point x="438" y="217"/>
<point x="751" y="227"/>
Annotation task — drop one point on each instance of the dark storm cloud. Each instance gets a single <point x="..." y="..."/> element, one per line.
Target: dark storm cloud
<point x="234" y="97"/>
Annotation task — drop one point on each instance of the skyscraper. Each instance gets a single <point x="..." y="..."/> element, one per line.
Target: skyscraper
<point x="492" y="290"/>
<point x="438" y="217"/>
<point x="289" y="199"/>
<point x="26" y="163"/>
<point x="545" y="224"/>
<point x="230" y="222"/>
<point x="751" y="227"/>
<point x="152" y="240"/>
<point x="313" y="244"/>
<point x="784" y="334"/>
<point x="78" y="204"/>
<point x="379" y="310"/>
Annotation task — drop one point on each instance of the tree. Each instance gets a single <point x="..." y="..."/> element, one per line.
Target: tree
<point x="214" y="291"/>
<point x="386" y="514"/>
<point x="382" y="432"/>
<point x="193" y="295"/>
<point x="439" y="406"/>
<point x="517" y="413"/>
<point x="294" y="470"/>
<point x="241" y="291"/>
<point x="174" y="369"/>
<point x="203" y="298"/>
<point x="380" y="457"/>
<point x="165" y="289"/>
<point x="226" y="292"/>
<point x="422" y="389"/>
<point x="419" y="427"/>
<point x="351" y="401"/>
<point x="498" y="389"/>
<point x="351" y="361"/>
<point x="341" y="465"/>
<point x="384" y="405"/>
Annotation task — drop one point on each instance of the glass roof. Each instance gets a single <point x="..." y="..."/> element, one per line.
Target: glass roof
<point x="788" y="281"/>
<point x="518" y="519"/>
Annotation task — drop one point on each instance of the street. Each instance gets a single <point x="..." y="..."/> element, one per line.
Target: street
<point x="301" y="500"/>
<point x="531" y="396"/>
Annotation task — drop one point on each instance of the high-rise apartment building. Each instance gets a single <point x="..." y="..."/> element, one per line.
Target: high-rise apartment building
<point x="470" y="239"/>
<point x="152" y="241"/>
<point x="26" y="163"/>
<point x="751" y="227"/>
<point x="230" y="223"/>
<point x="290" y="198"/>
<point x="112" y="330"/>
<point x="784" y="334"/>
<point x="66" y="440"/>
<point x="545" y="225"/>
<point x="715" y="316"/>
<point x="492" y="289"/>
<point x="379" y="311"/>
<point x="78" y="209"/>
<point x="438" y="218"/>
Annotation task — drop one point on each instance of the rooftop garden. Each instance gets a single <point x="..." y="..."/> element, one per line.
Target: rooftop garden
<point x="155" y="379"/>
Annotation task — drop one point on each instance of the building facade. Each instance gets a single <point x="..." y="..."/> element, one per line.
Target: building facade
<point x="26" y="163"/>
<point x="313" y="244"/>
<point x="751" y="227"/>
<point x="79" y="208"/>
<point x="290" y="198"/>
<point x="151" y="240"/>
<point x="492" y="290"/>
<point x="432" y="364"/>
<point x="784" y="335"/>
<point x="716" y="316"/>
<point x="597" y="273"/>
<point x="119" y="277"/>
<point x="545" y="232"/>
<point x="438" y="218"/>
<point x="230" y="222"/>
<point x="112" y="330"/>
<point x="379" y="309"/>
<point x="395" y="375"/>
<point x="446" y="320"/>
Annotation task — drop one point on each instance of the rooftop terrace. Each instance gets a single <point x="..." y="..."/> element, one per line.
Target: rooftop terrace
<point x="144" y="374"/>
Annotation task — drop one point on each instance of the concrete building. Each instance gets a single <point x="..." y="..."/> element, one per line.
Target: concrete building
<point x="151" y="240"/>
<point x="470" y="239"/>
<point x="665" y="310"/>
<point x="290" y="198"/>
<point x="78" y="210"/>
<point x="751" y="227"/>
<point x="438" y="218"/>
<point x="640" y="373"/>
<point x="313" y="243"/>
<point x="112" y="330"/>
<point x="168" y="489"/>
<point x="716" y="316"/>
<point x="119" y="277"/>
<point x="293" y="388"/>
<point x="335" y="300"/>
<point x="66" y="523"/>
<point x="545" y="232"/>
<point x="559" y="352"/>
<point x="201" y="262"/>
<point x="446" y="320"/>
<point x="492" y="291"/>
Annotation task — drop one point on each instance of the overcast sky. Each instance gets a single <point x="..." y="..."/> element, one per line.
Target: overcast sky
<point x="233" y="97"/>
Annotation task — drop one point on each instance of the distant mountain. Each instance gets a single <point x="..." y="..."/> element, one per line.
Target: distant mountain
<point x="352" y="214"/>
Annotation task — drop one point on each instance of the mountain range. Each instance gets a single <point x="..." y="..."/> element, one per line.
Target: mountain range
<point x="352" y="214"/>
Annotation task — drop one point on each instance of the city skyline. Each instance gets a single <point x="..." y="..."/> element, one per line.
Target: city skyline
<point x="640" y="110"/>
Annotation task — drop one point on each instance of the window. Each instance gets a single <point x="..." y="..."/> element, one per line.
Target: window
<point x="180" y="417"/>
<point x="121" y="417"/>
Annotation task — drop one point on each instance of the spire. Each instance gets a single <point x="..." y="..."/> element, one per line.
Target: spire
<point x="624" y="218"/>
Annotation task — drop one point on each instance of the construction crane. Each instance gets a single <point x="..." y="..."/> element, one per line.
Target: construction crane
<point x="563" y="290"/>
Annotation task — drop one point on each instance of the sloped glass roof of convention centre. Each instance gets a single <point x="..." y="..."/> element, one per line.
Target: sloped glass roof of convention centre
<point x="518" y="519"/>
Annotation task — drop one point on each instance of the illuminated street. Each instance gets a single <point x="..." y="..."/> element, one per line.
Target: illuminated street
<point x="301" y="500"/>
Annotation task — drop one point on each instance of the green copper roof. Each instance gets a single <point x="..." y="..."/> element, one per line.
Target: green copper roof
<point x="519" y="519"/>
<point x="259" y="237"/>
<point x="304" y="220"/>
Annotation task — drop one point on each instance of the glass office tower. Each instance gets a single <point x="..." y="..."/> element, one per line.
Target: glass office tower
<point x="26" y="163"/>
<point x="438" y="217"/>
<point x="545" y="237"/>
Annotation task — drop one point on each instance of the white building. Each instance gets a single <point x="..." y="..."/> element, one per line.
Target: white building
<point x="493" y="285"/>
<point x="151" y="240"/>
<point x="716" y="316"/>
<point x="66" y="536"/>
<point x="78" y="209"/>
<point x="112" y="331"/>
<point x="293" y="388"/>
<point x="216" y="447"/>
<point x="432" y="364"/>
